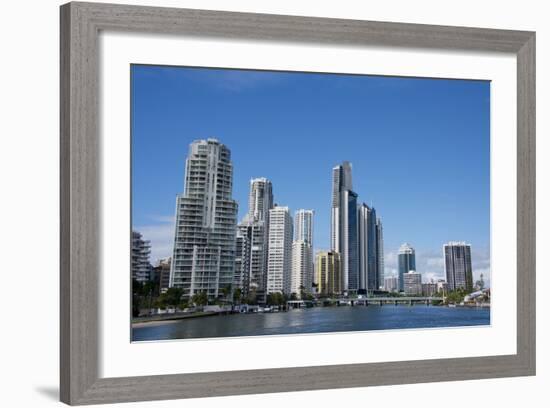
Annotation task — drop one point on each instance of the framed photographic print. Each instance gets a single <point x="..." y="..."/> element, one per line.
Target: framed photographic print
<point x="261" y="203"/>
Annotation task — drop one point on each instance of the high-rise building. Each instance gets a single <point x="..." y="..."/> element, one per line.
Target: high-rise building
<point x="302" y="252"/>
<point x="328" y="271"/>
<point x="141" y="250"/>
<point x="163" y="269"/>
<point x="206" y="217"/>
<point x="405" y="262"/>
<point x="279" y="260"/>
<point x="412" y="283"/>
<point x="344" y="225"/>
<point x="380" y="252"/>
<point x="241" y="277"/>
<point x="391" y="284"/>
<point x="255" y="226"/>
<point x="369" y="276"/>
<point x="458" y="265"/>
<point x="260" y="199"/>
<point x="301" y="279"/>
<point x="303" y="226"/>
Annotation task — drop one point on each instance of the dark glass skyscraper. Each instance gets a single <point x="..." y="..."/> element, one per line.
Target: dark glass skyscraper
<point x="344" y="225"/>
<point x="406" y="262"/>
<point x="458" y="265"/>
<point x="368" y="264"/>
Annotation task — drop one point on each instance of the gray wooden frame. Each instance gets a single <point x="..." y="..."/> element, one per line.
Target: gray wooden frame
<point x="80" y="234"/>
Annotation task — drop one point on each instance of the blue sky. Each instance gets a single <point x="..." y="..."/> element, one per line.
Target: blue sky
<point x="419" y="150"/>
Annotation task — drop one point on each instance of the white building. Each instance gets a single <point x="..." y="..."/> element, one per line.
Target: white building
<point x="391" y="284"/>
<point x="302" y="268"/>
<point x="279" y="260"/>
<point x="302" y="252"/>
<point x="206" y="216"/>
<point x="303" y="226"/>
<point x="412" y="283"/>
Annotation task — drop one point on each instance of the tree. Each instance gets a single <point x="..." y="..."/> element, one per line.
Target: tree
<point x="456" y="296"/>
<point x="302" y="292"/>
<point x="276" y="298"/>
<point x="226" y="291"/>
<point x="237" y="295"/>
<point x="200" y="299"/>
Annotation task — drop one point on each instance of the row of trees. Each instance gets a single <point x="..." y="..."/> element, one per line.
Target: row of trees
<point x="146" y="296"/>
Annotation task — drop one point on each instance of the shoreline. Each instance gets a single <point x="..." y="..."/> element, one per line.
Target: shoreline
<point x="174" y="318"/>
<point x="171" y="318"/>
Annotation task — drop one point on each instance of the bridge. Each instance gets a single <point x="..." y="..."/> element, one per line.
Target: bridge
<point x="410" y="300"/>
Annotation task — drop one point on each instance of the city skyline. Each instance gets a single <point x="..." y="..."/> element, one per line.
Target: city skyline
<point x="310" y="187"/>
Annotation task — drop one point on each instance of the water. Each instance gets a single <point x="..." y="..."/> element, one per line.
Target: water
<point x="314" y="320"/>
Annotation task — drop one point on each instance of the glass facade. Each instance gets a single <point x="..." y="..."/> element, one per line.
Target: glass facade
<point x="406" y="262"/>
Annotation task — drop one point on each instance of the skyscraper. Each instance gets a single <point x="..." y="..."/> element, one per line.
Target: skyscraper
<point x="141" y="249"/>
<point x="303" y="226"/>
<point x="458" y="265"/>
<point x="344" y="225"/>
<point x="302" y="252"/>
<point x="405" y="262"/>
<point x="255" y="226"/>
<point x="241" y="277"/>
<point x="328" y="273"/>
<point x="260" y="199"/>
<point x="301" y="277"/>
<point x="279" y="261"/>
<point x="204" y="247"/>
<point x="368" y="248"/>
<point x="380" y="252"/>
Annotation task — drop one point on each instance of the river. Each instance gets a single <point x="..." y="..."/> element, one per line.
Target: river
<point x="314" y="320"/>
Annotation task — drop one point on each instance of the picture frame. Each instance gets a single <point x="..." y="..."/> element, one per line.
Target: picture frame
<point x="81" y="24"/>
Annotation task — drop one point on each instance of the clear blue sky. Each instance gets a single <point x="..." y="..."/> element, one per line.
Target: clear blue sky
<point x="419" y="149"/>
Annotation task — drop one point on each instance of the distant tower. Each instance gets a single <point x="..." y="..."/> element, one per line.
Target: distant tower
<point x="380" y="252"/>
<point x="279" y="261"/>
<point x="204" y="247"/>
<point x="344" y="225"/>
<point x="255" y="226"/>
<point x="260" y="199"/>
<point x="302" y="252"/>
<point x="405" y="262"/>
<point x="141" y="249"/>
<point x="371" y="249"/>
<point x="458" y="265"/>
<point x="481" y="282"/>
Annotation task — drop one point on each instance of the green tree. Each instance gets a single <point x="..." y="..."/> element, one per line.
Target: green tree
<point x="237" y="295"/>
<point x="200" y="299"/>
<point x="226" y="292"/>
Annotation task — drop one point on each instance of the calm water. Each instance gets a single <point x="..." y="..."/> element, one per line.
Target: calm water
<point x="315" y="320"/>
